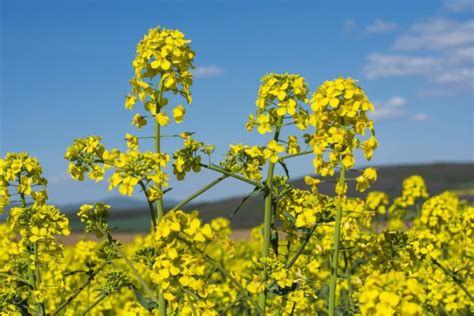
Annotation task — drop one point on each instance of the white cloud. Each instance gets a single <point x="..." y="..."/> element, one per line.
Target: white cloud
<point x="382" y="65"/>
<point x="395" y="108"/>
<point x="58" y="178"/>
<point x="389" y="109"/>
<point x="420" y="117"/>
<point x="437" y="34"/>
<point x="459" y="5"/>
<point x="207" y="71"/>
<point x="396" y="101"/>
<point x="441" y="51"/>
<point x="381" y="26"/>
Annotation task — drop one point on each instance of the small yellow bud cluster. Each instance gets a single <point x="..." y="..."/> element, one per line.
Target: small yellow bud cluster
<point x="39" y="223"/>
<point x="22" y="173"/>
<point x="85" y="155"/>
<point x="364" y="181"/>
<point x="391" y="293"/>
<point x="88" y="155"/>
<point x="438" y="211"/>
<point x="303" y="208"/>
<point x="95" y="217"/>
<point x="414" y="189"/>
<point x="279" y="95"/>
<point x="377" y="202"/>
<point x="249" y="160"/>
<point x="188" y="157"/>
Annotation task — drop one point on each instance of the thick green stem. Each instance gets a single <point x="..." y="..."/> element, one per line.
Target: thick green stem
<point x="233" y="175"/>
<point x="347" y="267"/>
<point x="16" y="278"/>
<point x="191" y="304"/>
<point x="159" y="203"/>
<point x="225" y="273"/>
<point x="455" y="278"/>
<point x="198" y="193"/>
<point x="96" y="302"/>
<point x="33" y="275"/>
<point x="302" y="153"/>
<point x="79" y="290"/>
<point x="301" y="248"/>
<point x="267" y="224"/>
<point x="335" y="257"/>
<point x="132" y="268"/>
<point x="150" y="207"/>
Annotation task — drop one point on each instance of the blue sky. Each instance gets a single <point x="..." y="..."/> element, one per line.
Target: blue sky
<point x="65" y="68"/>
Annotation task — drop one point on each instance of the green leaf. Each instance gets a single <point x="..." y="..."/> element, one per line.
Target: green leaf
<point x="255" y="192"/>
<point x="275" y="289"/>
<point x="289" y="216"/>
<point x="148" y="303"/>
<point x="285" y="168"/>
<point x="274" y="241"/>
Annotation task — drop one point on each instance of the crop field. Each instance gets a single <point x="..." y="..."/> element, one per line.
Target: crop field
<point x="342" y="240"/>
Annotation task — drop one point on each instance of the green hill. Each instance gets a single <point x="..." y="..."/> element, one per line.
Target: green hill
<point x="438" y="177"/>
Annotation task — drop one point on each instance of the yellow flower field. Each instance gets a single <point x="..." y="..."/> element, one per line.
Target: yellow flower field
<point x="314" y="254"/>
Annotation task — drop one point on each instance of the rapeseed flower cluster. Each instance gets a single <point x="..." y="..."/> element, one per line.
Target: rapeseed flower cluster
<point x="339" y="116"/>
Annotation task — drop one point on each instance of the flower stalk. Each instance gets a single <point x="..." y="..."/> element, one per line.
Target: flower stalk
<point x="336" y="236"/>
<point x="268" y="215"/>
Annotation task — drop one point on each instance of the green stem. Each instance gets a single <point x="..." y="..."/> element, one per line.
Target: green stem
<point x="38" y="276"/>
<point x="233" y="175"/>
<point x="455" y="278"/>
<point x="232" y="304"/>
<point x="150" y="206"/>
<point x="306" y="152"/>
<point x="32" y="275"/>
<point x="188" y="298"/>
<point x="16" y="278"/>
<point x="96" y="302"/>
<point x="267" y="224"/>
<point x="301" y="248"/>
<point x="224" y="272"/>
<point x="132" y="268"/>
<point x="335" y="257"/>
<point x="159" y="203"/>
<point x="79" y="290"/>
<point x="347" y="267"/>
<point x="198" y="193"/>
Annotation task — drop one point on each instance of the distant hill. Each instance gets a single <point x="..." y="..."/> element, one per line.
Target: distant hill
<point x="438" y="177"/>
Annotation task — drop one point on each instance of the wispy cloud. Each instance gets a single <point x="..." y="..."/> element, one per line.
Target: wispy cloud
<point x="439" y="50"/>
<point x="420" y="117"/>
<point x="57" y="179"/>
<point x="381" y="26"/>
<point x="207" y="71"/>
<point x="389" y="65"/>
<point x="395" y="108"/>
<point x="389" y="109"/>
<point x="459" y="5"/>
<point x="437" y="35"/>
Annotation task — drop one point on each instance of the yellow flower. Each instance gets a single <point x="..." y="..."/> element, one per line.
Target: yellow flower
<point x="272" y="150"/>
<point x="178" y="113"/>
<point x="162" y="118"/>
<point x="127" y="184"/>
